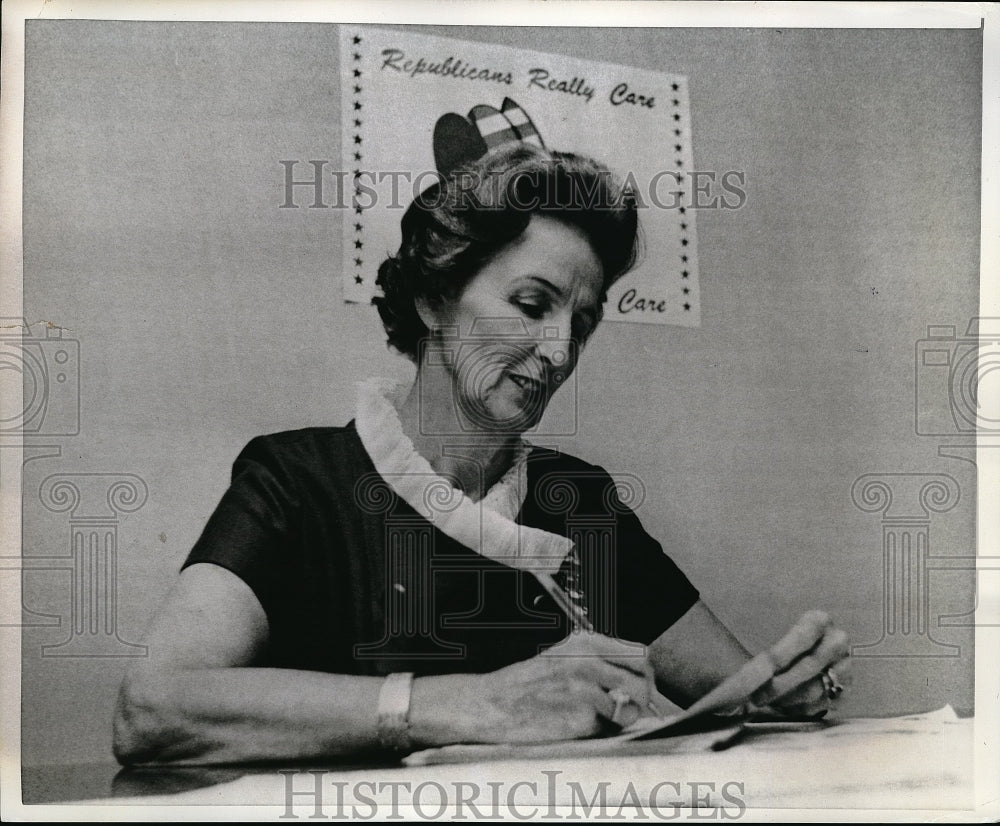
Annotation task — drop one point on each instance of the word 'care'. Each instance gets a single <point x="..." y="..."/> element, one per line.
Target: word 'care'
<point x="578" y="86"/>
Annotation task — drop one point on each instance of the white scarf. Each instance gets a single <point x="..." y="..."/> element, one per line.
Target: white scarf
<point x="486" y="526"/>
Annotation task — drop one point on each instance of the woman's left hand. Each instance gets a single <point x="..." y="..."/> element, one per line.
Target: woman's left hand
<point x="811" y="667"/>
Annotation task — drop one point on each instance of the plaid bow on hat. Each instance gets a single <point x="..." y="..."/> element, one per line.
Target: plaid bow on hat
<point x="459" y="140"/>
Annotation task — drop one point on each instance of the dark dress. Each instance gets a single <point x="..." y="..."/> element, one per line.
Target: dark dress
<point x="354" y="581"/>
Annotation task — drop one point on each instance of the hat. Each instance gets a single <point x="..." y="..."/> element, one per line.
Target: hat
<point x="459" y="140"/>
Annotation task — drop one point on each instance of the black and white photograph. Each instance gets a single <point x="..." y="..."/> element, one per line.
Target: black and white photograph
<point x="514" y="411"/>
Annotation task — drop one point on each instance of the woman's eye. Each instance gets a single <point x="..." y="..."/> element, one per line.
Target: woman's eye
<point x="531" y="310"/>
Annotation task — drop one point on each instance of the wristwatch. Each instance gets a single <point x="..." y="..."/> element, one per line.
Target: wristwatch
<point x="394" y="712"/>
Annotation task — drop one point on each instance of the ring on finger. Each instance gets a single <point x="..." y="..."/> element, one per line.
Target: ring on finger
<point x="621" y="699"/>
<point x="831" y="685"/>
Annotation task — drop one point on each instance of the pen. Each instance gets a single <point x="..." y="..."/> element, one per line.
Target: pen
<point x="576" y="615"/>
<point x="569" y="608"/>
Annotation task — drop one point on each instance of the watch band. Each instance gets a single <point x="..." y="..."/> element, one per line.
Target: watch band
<point x="394" y="711"/>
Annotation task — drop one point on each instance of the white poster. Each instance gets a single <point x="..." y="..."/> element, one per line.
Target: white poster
<point x="396" y="85"/>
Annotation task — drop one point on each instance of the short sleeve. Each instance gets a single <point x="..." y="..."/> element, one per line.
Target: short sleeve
<point x="250" y="531"/>
<point x="650" y="591"/>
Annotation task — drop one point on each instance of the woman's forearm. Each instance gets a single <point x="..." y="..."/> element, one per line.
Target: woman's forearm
<point x="199" y="697"/>
<point x="694" y="655"/>
<point x="230" y="715"/>
<point x="219" y="715"/>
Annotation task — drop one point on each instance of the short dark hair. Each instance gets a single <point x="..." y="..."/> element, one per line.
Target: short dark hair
<point x="452" y="229"/>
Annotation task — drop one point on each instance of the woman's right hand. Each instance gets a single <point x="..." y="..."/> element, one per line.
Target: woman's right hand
<point x="563" y="693"/>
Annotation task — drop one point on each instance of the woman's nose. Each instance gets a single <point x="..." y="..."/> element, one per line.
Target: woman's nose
<point x="555" y="344"/>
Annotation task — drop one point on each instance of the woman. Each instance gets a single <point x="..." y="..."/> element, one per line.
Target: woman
<point x="388" y="584"/>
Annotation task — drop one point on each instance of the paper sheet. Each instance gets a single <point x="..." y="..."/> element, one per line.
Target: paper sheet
<point x="919" y="761"/>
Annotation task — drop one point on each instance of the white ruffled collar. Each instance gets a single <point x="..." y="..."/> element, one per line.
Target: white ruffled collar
<point x="486" y="526"/>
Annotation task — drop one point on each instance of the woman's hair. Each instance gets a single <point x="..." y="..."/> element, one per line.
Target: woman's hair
<point x="453" y="228"/>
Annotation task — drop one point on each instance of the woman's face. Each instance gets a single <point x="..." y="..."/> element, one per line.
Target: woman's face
<point x="514" y="334"/>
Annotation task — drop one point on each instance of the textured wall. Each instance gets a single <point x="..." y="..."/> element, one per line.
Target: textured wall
<point x="206" y="315"/>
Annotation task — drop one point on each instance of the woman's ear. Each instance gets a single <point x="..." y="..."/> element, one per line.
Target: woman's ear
<point x="424" y="311"/>
<point x="430" y="312"/>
